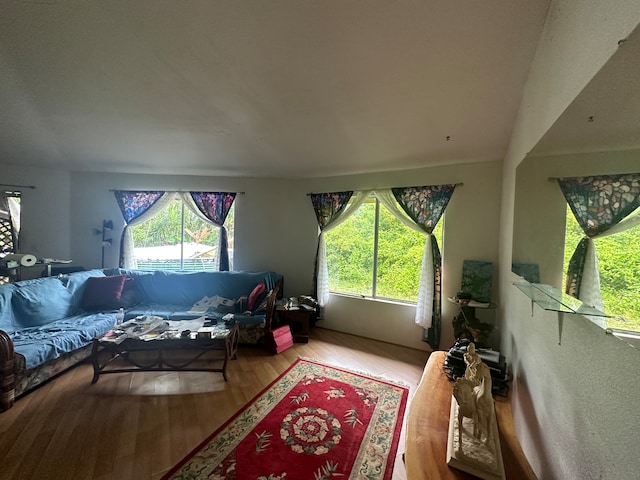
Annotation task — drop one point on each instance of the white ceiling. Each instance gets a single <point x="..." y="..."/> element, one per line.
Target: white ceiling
<point x="290" y="88"/>
<point x="605" y="116"/>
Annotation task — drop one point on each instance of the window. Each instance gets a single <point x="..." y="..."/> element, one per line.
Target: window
<point x="177" y="239"/>
<point x="375" y="255"/>
<point x="9" y="222"/>
<point x="619" y="267"/>
<point x="9" y="225"/>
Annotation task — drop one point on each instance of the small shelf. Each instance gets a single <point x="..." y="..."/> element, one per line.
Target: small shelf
<point x="550" y="298"/>
<point x="471" y="303"/>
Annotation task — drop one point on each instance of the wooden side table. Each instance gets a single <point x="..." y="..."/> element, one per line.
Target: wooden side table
<point x="299" y="320"/>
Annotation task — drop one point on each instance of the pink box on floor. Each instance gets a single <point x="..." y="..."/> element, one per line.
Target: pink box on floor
<point x="279" y="339"/>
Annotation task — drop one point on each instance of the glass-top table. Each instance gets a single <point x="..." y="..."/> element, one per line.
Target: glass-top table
<point x="149" y="344"/>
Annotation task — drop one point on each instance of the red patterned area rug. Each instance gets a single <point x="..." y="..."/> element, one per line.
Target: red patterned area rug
<point x="314" y="422"/>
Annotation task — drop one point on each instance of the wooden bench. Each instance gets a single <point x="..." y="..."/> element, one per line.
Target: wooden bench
<point x="428" y="427"/>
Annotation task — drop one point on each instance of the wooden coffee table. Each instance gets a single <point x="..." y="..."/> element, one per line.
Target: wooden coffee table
<point x="165" y="353"/>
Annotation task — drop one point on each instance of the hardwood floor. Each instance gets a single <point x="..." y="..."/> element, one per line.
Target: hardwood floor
<point x="137" y="426"/>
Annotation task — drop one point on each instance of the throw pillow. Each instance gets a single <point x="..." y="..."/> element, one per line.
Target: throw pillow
<point x="131" y="296"/>
<point x="103" y="292"/>
<point x="262" y="307"/>
<point x="256" y="296"/>
<point x="40" y="301"/>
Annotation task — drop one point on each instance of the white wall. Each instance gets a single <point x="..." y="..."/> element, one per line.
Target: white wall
<point x="574" y="404"/>
<point x="273" y="229"/>
<point x="470" y="226"/>
<point x="276" y="229"/>
<point x="46" y="228"/>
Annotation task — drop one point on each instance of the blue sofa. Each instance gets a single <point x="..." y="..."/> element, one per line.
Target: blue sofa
<point x="172" y="295"/>
<point x="47" y="324"/>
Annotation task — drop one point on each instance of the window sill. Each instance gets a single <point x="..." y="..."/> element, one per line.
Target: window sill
<point x="632" y="338"/>
<point x="374" y="299"/>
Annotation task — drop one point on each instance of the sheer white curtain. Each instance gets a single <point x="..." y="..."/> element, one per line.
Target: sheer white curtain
<point x="424" y="306"/>
<point x="590" y="293"/>
<point x="188" y="201"/>
<point x="357" y="199"/>
<point x="129" y="260"/>
<point x="14" y="211"/>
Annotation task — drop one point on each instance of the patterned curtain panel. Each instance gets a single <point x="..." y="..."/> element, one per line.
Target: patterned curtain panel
<point x="328" y="208"/>
<point x="133" y="204"/>
<point x="135" y="207"/>
<point x="598" y="203"/>
<point x="425" y="206"/>
<point x="215" y="206"/>
<point x="575" y="269"/>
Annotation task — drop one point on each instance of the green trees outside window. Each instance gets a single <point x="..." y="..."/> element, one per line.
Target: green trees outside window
<point x="177" y="239"/>
<point x="374" y="255"/>
<point x="619" y="266"/>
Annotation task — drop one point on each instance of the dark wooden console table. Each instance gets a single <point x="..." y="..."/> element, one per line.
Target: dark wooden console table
<point x="137" y="355"/>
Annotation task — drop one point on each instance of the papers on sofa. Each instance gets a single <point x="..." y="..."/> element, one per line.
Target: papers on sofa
<point x="201" y="306"/>
<point x="212" y="304"/>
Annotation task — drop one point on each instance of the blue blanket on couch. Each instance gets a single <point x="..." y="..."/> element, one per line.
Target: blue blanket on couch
<point x="46" y="317"/>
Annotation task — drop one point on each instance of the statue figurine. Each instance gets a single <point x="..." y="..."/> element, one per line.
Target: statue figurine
<point x="476" y="448"/>
<point x="473" y="394"/>
<point x="476" y="369"/>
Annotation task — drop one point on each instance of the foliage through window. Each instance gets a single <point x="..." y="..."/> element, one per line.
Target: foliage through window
<point x="619" y="267"/>
<point x="373" y="254"/>
<point x="177" y="239"/>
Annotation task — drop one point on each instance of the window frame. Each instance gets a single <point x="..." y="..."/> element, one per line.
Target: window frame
<point x="185" y="210"/>
<point x="12" y="196"/>
<point x="438" y="233"/>
<point x="614" y="322"/>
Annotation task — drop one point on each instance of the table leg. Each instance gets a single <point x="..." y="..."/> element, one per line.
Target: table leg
<point x="230" y="349"/>
<point x="95" y="360"/>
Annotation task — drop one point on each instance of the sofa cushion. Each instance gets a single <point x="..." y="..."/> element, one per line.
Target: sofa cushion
<point x="40" y="301"/>
<point x="177" y="288"/>
<point x="103" y="293"/>
<point x="238" y="283"/>
<point x="75" y="283"/>
<point x="186" y="288"/>
<point x="7" y="319"/>
<point x="42" y="344"/>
